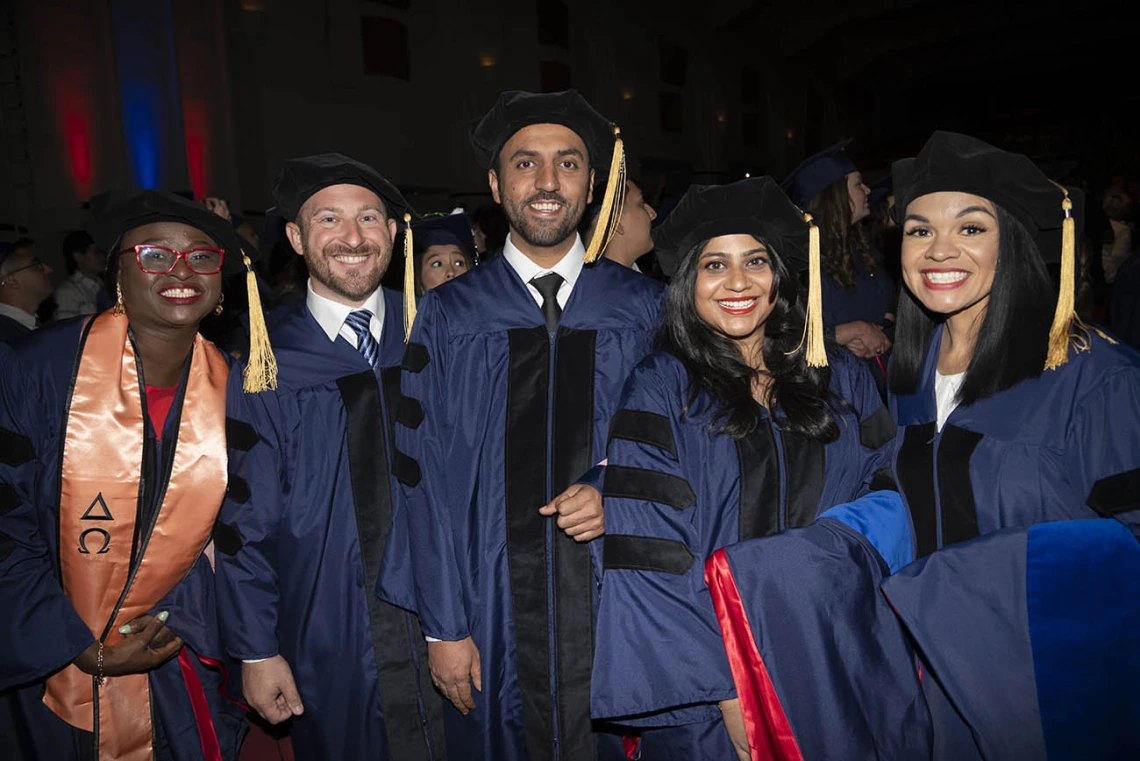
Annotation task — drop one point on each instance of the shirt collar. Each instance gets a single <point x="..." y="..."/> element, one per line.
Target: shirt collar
<point x="330" y="315"/>
<point x="569" y="266"/>
<point x="19" y="315"/>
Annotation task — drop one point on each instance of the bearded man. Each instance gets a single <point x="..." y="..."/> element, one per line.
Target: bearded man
<point x="512" y="374"/>
<point x="310" y="502"/>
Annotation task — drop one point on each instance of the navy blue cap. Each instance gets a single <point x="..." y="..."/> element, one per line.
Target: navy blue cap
<point x="815" y="173"/>
<point x="444" y="230"/>
<point x="880" y="189"/>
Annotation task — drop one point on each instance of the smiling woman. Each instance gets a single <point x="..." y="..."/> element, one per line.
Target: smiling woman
<point x="729" y="424"/>
<point x="120" y="425"/>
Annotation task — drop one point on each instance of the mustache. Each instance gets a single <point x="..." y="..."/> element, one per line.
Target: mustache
<point x="546" y="196"/>
<point x="338" y="248"/>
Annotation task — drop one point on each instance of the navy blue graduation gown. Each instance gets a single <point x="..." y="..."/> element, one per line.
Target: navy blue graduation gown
<point x="872" y="297"/>
<point x="40" y="631"/>
<point x="499" y="417"/>
<point x="674" y="494"/>
<point x="300" y="539"/>
<point x="822" y="667"/>
<point x="11" y="330"/>
<point x="1030" y="639"/>
<point x="1064" y="445"/>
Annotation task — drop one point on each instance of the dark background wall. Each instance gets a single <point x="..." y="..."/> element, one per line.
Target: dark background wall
<point x="210" y="96"/>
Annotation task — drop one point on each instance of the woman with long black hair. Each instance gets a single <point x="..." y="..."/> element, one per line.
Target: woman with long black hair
<point x="1017" y="425"/>
<point x="740" y="426"/>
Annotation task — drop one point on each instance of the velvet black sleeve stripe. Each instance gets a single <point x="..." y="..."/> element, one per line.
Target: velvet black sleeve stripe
<point x="237" y="489"/>
<point x="9" y="499"/>
<point x="240" y="435"/>
<point x="406" y="469"/>
<point x="643" y="553"/>
<point x="884" y="480"/>
<point x="415" y="358"/>
<point x="226" y="539"/>
<point x="15" y="448"/>
<point x="650" y="485"/>
<point x="409" y="413"/>
<point x="1114" y="495"/>
<point x="878" y="429"/>
<point x="645" y="428"/>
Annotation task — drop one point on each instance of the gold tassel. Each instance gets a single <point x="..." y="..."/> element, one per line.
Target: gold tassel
<point x="1063" y="319"/>
<point x="813" y="323"/>
<point x="613" y="202"/>
<point x="261" y="369"/>
<point x="409" y="279"/>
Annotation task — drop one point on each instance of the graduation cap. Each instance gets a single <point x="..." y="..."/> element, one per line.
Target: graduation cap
<point x="880" y="189"/>
<point x="516" y="109"/>
<point x="816" y="172"/>
<point x="960" y="163"/>
<point x="118" y="213"/>
<point x="299" y="179"/>
<point x="756" y="207"/>
<point x="445" y="230"/>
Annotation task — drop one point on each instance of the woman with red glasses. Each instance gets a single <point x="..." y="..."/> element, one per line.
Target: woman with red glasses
<point x="112" y="470"/>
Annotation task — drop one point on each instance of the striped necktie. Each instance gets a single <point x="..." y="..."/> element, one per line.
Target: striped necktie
<point x="359" y="321"/>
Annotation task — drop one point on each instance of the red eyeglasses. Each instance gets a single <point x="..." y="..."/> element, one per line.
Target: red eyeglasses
<point x="159" y="260"/>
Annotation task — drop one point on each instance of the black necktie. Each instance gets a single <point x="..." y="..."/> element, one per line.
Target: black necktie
<point x="548" y="286"/>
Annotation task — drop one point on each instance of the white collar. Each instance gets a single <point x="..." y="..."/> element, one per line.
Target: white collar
<point x="19" y="315"/>
<point x="569" y="266"/>
<point x="330" y="315"/>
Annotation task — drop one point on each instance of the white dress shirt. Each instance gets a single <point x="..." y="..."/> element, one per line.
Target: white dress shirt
<point x="19" y="315"/>
<point x="331" y="315"/>
<point x="946" y="389"/>
<point x="569" y="267"/>
<point x="76" y="295"/>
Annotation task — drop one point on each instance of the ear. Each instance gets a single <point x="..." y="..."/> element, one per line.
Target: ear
<point x="392" y="227"/>
<point x="296" y="237"/>
<point x="493" y="181"/>
<point x="590" y="192"/>
<point x="619" y="229"/>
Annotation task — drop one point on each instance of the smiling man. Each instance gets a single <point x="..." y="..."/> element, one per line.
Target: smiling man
<point x="310" y="502"/>
<point x="510" y="380"/>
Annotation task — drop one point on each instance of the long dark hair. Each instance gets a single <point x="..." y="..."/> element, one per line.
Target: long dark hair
<point x="716" y="367"/>
<point x="838" y="235"/>
<point x="1013" y="338"/>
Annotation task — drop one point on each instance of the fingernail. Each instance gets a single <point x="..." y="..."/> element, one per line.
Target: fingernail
<point x="163" y="616"/>
<point x="125" y="629"/>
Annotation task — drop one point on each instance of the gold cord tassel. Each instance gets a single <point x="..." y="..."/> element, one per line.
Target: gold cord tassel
<point x="261" y="369"/>
<point x="813" y="324"/>
<point x="612" y="202"/>
<point x="1066" y="314"/>
<point x="409" y="279"/>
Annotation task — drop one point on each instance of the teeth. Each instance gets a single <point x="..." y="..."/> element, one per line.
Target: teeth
<point x="351" y="259"/>
<point x="946" y="277"/>
<point x="179" y="293"/>
<point x="737" y="304"/>
<point x="546" y="206"/>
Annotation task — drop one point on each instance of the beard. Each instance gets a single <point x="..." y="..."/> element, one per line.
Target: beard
<point x="359" y="282"/>
<point x="543" y="235"/>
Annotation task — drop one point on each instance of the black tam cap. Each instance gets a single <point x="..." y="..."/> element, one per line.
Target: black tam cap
<point x="117" y="213"/>
<point x="516" y="109"/>
<point x="300" y="178"/>
<point x="755" y="207"/>
<point x="446" y="229"/>
<point x="960" y="163"/>
<point x="815" y="173"/>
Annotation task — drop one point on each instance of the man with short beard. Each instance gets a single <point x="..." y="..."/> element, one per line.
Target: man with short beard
<point x="510" y="379"/>
<point x="310" y="502"/>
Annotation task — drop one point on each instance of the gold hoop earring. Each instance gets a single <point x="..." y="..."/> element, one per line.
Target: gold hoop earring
<point x="218" y="308"/>
<point x="118" y="309"/>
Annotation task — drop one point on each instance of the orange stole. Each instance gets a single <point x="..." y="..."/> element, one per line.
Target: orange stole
<point x="100" y="488"/>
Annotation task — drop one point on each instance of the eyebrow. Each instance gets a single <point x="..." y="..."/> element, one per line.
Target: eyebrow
<point x="338" y="210"/>
<point x="202" y="242"/>
<point x="760" y="250"/>
<point x="970" y="209"/>
<point x="528" y="152"/>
